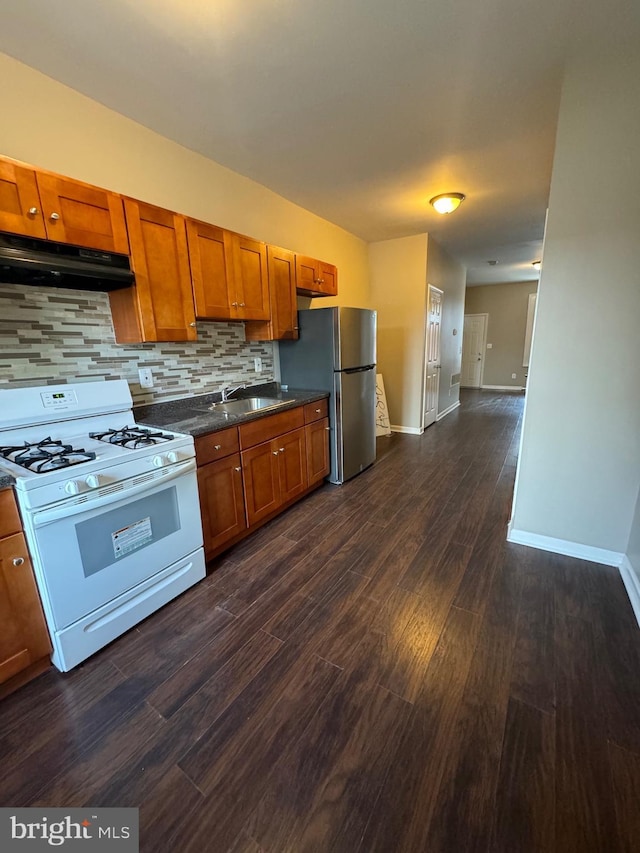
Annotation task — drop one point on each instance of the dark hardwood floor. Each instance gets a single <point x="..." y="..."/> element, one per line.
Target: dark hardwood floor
<point x="376" y="670"/>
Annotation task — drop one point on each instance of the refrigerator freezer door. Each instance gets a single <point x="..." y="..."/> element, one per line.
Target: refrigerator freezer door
<point x="355" y="337"/>
<point x="353" y="445"/>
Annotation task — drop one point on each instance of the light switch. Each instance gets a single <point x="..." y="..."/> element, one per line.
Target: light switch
<point x="489" y="346"/>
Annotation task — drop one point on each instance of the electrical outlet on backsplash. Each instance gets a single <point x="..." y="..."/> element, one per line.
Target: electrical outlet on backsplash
<point x="55" y="335"/>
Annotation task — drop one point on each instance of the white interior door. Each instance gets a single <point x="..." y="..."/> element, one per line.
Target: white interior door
<point x="432" y="356"/>
<point x="473" y="347"/>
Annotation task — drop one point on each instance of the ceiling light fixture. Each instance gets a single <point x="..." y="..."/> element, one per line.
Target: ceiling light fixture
<point x="536" y="265"/>
<point x="447" y="202"/>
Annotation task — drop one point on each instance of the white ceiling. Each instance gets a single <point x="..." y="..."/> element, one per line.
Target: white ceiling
<point x="359" y="110"/>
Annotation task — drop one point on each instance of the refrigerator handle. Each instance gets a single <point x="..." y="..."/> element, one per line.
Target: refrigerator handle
<point x="358" y="369"/>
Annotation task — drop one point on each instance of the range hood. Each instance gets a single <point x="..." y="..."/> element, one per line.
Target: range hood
<point x="43" y="263"/>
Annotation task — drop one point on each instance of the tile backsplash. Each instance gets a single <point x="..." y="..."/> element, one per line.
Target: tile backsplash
<point x="50" y="335"/>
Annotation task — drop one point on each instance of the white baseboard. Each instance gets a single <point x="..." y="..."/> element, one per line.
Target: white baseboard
<point x="566" y="547"/>
<point x="407" y="430"/>
<point x="631" y="583"/>
<point x="447" y="411"/>
<point x="502" y="387"/>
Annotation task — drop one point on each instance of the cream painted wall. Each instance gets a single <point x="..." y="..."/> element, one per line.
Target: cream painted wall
<point x="579" y="469"/>
<point x="398" y="292"/>
<point x="56" y="128"/>
<point x="449" y="276"/>
<point x="506" y="305"/>
<point x="633" y="548"/>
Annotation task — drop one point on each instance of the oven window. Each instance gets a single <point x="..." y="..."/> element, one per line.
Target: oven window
<point x="113" y="535"/>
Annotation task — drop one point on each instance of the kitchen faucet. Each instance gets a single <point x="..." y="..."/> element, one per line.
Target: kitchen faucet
<point x="227" y="392"/>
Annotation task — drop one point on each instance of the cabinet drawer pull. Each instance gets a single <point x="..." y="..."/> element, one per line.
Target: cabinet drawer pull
<point x="318" y="411"/>
<point x="18" y="561"/>
<point x="33" y="211"/>
<point x="217" y="447"/>
<point x="239" y="468"/>
<point x="55" y="216"/>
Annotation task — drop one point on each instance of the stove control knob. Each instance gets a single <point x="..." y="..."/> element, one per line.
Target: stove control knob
<point x="72" y="487"/>
<point x="172" y="456"/>
<point x="93" y="481"/>
<point x="159" y="461"/>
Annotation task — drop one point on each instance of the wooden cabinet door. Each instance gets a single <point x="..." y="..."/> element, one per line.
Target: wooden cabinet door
<point x="261" y="480"/>
<point x="250" y="279"/>
<point x="161" y="299"/>
<point x="283" y="324"/>
<point x="317" y="435"/>
<point x="306" y="274"/>
<point x="81" y="214"/>
<point x="24" y="638"/>
<point x="20" y="208"/>
<point x="316" y="278"/>
<point x="292" y="464"/>
<point x="282" y="293"/>
<point x="221" y="501"/>
<point x="210" y="254"/>
<point x="328" y="279"/>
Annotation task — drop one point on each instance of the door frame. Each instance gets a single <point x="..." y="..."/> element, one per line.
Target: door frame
<point x="425" y="366"/>
<point x="484" y="348"/>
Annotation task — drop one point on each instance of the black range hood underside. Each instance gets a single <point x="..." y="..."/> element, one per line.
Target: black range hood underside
<point x="44" y="263"/>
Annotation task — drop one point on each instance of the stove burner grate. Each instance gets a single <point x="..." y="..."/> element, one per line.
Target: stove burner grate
<point x="131" y="437"/>
<point x="45" y="455"/>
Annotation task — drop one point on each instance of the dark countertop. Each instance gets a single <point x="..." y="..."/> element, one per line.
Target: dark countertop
<point x="185" y="415"/>
<point x="6" y="480"/>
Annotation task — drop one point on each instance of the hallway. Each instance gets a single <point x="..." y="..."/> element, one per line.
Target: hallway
<point x="375" y="670"/>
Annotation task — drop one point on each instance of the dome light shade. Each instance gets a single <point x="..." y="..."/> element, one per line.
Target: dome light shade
<point x="536" y="264"/>
<point x="447" y="202"/>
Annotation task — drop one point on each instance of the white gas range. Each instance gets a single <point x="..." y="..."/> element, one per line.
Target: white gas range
<point x="110" y="509"/>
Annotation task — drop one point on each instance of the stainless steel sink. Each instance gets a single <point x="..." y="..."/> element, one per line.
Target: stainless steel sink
<point x="245" y="406"/>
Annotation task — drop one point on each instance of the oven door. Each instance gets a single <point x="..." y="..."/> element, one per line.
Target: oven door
<point x="91" y="549"/>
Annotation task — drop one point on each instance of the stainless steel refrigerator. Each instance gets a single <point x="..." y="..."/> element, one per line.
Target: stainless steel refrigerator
<point x="336" y="352"/>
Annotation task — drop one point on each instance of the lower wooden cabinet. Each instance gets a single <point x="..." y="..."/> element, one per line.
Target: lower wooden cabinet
<point x="248" y="474"/>
<point x="274" y="472"/>
<point x="221" y="502"/>
<point x="24" y="639"/>
<point x="317" y="445"/>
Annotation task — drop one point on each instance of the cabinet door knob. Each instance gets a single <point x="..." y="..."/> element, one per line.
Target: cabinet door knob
<point x="317" y="411"/>
<point x="193" y="325"/>
<point x="275" y="452"/>
<point x="242" y="304"/>
<point x="55" y="216"/>
<point x="217" y="447"/>
<point x="234" y="304"/>
<point x="282" y="450"/>
<point x="328" y="429"/>
<point x="239" y="468"/>
<point x="18" y="561"/>
<point x="33" y="211"/>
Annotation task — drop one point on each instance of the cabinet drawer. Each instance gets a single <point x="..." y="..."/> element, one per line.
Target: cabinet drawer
<point x="9" y="517"/>
<point x="216" y="445"/>
<point x="316" y="411"/>
<point x="269" y="427"/>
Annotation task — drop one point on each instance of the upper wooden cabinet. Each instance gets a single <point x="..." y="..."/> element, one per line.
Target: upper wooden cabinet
<point x="229" y="274"/>
<point x="159" y="307"/>
<point x="315" y="278"/>
<point x="283" y="322"/>
<point x="41" y="204"/>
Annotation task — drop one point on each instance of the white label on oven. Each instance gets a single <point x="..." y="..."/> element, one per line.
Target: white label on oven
<point x="132" y="537"/>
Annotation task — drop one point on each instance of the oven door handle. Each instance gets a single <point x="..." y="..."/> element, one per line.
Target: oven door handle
<point x="48" y="516"/>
